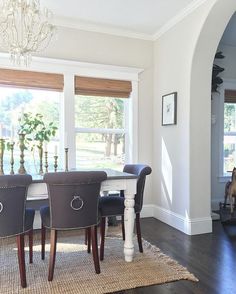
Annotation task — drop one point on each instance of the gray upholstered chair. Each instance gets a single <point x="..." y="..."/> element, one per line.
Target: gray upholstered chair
<point x="15" y="219"/>
<point x="114" y="205"/>
<point x="73" y="204"/>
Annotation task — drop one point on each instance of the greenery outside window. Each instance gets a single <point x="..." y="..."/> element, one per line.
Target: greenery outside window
<point x="229" y="131"/>
<point x="100" y="131"/>
<point x="13" y="103"/>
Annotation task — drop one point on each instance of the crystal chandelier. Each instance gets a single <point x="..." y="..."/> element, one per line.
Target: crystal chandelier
<point x="24" y="29"/>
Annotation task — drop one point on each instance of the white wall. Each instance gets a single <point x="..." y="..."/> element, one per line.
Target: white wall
<point x="173" y="59"/>
<point x="183" y="62"/>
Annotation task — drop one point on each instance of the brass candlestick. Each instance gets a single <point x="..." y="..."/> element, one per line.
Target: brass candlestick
<point x="46" y="161"/>
<point x="12" y="157"/>
<point x="66" y="159"/>
<point x="22" y="170"/>
<point x="2" y="148"/>
<point x="55" y="163"/>
<point x="40" y="148"/>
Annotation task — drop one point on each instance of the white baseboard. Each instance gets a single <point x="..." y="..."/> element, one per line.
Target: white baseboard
<point x="188" y="226"/>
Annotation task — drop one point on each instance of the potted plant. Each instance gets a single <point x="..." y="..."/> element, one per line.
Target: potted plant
<point x="36" y="132"/>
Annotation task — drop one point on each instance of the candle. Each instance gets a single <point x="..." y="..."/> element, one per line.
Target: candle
<point x="55" y="150"/>
<point x="12" y="133"/>
<point x="21" y="118"/>
<point x="0" y="130"/>
<point x="45" y="147"/>
<point x="66" y="140"/>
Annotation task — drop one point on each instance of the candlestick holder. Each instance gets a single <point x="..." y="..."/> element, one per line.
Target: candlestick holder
<point x="11" y="145"/>
<point x="40" y="149"/>
<point x="66" y="159"/>
<point x="46" y="161"/>
<point x="22" y="169"/>
<point x="55" y="163"/>
<point x="2" y="148"/>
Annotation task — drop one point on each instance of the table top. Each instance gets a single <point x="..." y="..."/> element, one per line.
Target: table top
<point x="111" y="175"/>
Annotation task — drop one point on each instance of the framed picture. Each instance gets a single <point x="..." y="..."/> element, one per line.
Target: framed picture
<point x="169" y="109"/>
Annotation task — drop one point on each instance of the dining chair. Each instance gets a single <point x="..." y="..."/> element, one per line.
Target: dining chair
<point x="114" y="205"/>
<point x="73" y="204"/>
<point x="15" y="219"/>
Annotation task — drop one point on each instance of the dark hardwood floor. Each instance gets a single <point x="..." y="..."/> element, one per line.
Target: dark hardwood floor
<point x="210" y="257"/>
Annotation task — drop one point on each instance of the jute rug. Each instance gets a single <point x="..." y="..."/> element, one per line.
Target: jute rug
<point x="74" y="269"/>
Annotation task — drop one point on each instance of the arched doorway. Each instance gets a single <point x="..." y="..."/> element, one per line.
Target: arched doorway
<point x="200" y="106"/>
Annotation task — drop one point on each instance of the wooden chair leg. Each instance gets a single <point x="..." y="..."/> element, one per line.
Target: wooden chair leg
<point x="43" y="233"/>
<point x="95" y="249"/>
<point x="102" y="237"/>
<point x="88" y="233"/>
<point x="123" y="227"/>
<point x="31" y="246"/>
<point x="21" y="258"/>
<point x="138" y="231"/>
<point x="53" y="246"/>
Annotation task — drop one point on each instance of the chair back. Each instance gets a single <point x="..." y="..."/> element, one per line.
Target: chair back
<point x="13" y="193"/>
<point x="73" y="198"/>
<point x="141" y="170"/>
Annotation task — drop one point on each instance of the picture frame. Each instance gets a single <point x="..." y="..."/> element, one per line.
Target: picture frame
<point x="169" y="109"/>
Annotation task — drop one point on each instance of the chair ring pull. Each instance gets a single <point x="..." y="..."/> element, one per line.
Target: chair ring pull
<point x="1" y="207"/>
<point x="76" y="203"/>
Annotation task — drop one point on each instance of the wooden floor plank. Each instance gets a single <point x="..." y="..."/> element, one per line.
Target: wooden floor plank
<point x="210" y="257"/>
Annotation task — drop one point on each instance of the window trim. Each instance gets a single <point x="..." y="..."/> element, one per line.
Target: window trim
<point x="227" y="84"/>
<point x="70" y="69"/>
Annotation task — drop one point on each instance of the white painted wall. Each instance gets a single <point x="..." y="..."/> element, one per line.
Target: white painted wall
<point x="229" y="62"/>
<point x="183" y="60"/>
<point x="173" y="59"/>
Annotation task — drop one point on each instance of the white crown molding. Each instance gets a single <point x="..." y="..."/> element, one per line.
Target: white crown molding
<point x="179" y="17"/>
<point x="104" y="29"/>
<point x="87" y="69"/>
<point x="111" y="30"/>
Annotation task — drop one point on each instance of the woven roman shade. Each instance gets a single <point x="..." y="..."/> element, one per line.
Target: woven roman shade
<point x="102" y="87"/>
<point x="230" y="96"/>
<point x="31" y="80"/>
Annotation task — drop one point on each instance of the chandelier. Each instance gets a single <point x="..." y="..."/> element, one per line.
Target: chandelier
<point x="24" y="29"/>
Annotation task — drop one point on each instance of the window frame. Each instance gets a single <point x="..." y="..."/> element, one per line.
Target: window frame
<point x="125" y="130"/>
<point x="227" y="84"/>
<point x="70" y="69"/>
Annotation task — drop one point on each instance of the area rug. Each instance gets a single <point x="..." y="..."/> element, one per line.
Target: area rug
<point x="74" y="269"/>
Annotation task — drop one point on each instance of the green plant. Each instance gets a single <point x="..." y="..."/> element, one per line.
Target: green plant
<point x="216" y="79"/>
<point x="35" y="129"/>
<point x="36" y="133"/>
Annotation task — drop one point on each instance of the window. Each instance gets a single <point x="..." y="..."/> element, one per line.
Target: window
<point x="100" y="131"/>
<point x="101" y="110"/>
<point x="229" y="131"/>
<point x="58" y="88"/>
<point x="13" y="102"/>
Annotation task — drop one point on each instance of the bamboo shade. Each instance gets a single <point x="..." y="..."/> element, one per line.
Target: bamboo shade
<point x="31" y="79"/>
<point x="230" y="96"/>
<point x="102" y="87"/>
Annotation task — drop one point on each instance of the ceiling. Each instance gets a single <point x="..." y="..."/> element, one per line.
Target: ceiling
<point x="229" y="36"/>
<point x="137" y="18"/>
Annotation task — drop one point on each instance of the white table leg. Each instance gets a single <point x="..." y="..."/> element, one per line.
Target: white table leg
<point x="129" y="216"/>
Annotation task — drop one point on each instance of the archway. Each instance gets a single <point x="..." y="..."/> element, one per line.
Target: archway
<point x="200" y="106"/>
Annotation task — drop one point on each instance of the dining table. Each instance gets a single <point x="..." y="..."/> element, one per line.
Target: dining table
<point x="116" y="181"/>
